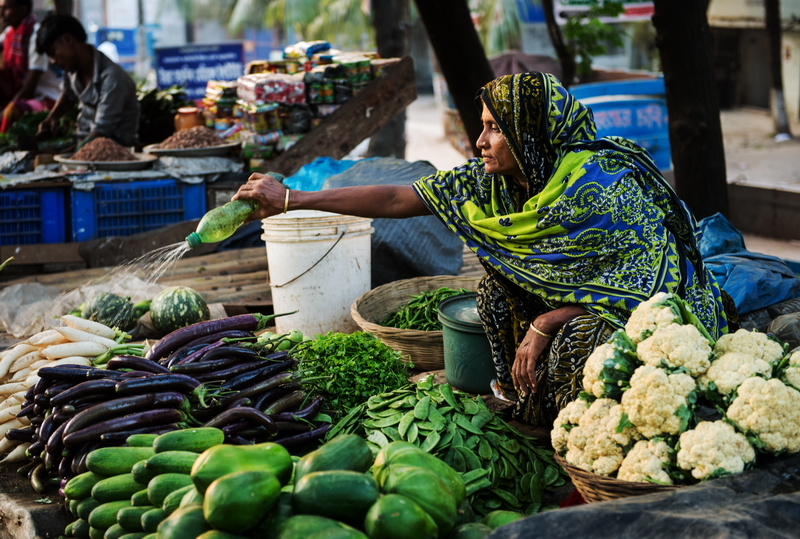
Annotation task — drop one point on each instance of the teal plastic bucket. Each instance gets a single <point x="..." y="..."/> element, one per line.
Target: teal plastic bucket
<point x="467" y="357"/>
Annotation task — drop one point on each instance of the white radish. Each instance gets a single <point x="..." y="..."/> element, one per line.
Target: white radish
<point x="17" y="352"/>
<point x="20" y="375"/>
<point x="13" y="387"/>
<point x="19" y="396"/>
<point x="78" y="335"/>
<point x="86" y="349"/>
<point x="72" y="360"/>
<point x="18" y="454"/>
<point x="26" y="361"/>
<point x="46" y="338"/>
<point x="10" y="401"/>
<point x="39" y="364"/>
<point x="11" y="424"/>
<point x="89" y="326"/>
<point x="6" y="445"/>
<point x="10" y="412"/>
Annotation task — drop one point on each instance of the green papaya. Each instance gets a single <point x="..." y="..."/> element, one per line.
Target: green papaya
<point x="341" y="494"/>
<point x="428" y="490"/>
<point x="301" y="526"/>
<point x="186" y="522"/>
<point x="471" y="530"/>
<point x="237" y="502"/>
<point x="344" y="452"/>
<point x="395" y="516"/>
<point x="498" y="518"/>
<point x="221" y="460"/>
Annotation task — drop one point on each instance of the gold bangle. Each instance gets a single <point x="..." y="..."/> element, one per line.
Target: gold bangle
<point x="540" y="332"/>
<point x="286" y="201"/>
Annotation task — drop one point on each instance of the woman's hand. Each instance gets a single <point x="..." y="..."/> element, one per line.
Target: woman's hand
<point x="523" y="372"/>
<point x="264" y="189"/>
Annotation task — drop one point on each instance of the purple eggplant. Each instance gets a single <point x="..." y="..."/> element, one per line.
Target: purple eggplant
<point x="195" y="356"/>
<point x="24" y="435"/>
<point x="199" y="342"/>
<point x="248" y="378"/>
<point x="123" y="435"/>
<point x="199" y="367"/>
<point x="135" y="363"/>
<point x="135" y="374"/>
<point x="305" y="437"/>
<point x="291" y="426"/>
<point x="55" y="443"/>
<point x="268" y="397"/>
<point x="179" y="337"/>
<point x="286" y="403"/>
<point x="128" y="422"/>
<point x="305" y="414"/>
<point x="102" y="386"/>
<point x="242" y="412"/>
<point x="64" y="373"/>
<point x="224" y="374"/>
<point x="55" y="389"/>
<point x="157" y="382"/>
<point x="122" y="406"/>
<point x="269" y="383"/>
<point x="231" y="351"/>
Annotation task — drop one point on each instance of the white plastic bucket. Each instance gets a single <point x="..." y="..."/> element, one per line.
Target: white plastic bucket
<point x="319" y="263"/>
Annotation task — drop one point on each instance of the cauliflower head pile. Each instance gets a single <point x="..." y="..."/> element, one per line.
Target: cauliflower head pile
<point x="676" y="346"/>
<point x="567" y="419"/>
<point x="650" y="315"/>
<point x="594" y="366"/>
<point x="752" y="343"/>
<point x="791" y="376"/>
<point x="731" y="369"/>
<point x="657" y="402"/>
<point x="712" y="446"/>
<point x="645" y="462"/>
<point x="771" y="410"/>
<point x="594" y="444"/>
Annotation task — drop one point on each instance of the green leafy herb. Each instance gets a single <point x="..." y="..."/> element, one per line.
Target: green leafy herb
<point x="351" y="368"/>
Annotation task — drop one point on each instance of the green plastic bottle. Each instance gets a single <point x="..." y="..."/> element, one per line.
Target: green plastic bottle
<point x="220" y="223"/>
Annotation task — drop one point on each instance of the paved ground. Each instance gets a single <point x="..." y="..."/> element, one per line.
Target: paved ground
<point x="752" y="156"/>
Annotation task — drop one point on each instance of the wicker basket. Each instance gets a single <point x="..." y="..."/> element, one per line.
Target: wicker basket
<point x="599" y="488"/>
<point x="424" y="348"/>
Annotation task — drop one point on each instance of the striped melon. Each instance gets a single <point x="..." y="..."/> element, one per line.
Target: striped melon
<point x="176" y="307"/>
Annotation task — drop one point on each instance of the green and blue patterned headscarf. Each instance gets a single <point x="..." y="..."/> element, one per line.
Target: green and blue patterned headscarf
<point x="598" y="226"/>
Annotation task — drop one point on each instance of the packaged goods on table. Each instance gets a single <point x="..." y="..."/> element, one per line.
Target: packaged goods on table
<point x="262" y="88"/>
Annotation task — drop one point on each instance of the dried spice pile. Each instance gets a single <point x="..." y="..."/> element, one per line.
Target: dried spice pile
<point x="194" y="137"/>
<point x="103" y="149"/>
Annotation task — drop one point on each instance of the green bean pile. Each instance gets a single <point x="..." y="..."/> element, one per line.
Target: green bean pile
<point x="421" y="312"/>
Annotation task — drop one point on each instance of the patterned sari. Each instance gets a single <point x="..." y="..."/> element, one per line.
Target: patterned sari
<point x="598" y="226"/>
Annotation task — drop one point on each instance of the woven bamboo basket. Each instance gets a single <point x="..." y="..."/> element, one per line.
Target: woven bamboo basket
<point x="423" y="348"/>
<point x="599" y="488"/>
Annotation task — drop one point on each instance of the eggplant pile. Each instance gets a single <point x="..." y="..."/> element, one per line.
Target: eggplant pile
<point x="211" y="374"/>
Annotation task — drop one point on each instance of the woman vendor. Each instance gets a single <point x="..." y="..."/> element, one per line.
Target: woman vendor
<point x="573" y="231"/>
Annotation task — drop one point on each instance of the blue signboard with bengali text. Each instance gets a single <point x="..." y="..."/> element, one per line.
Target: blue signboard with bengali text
<point x="192" y="66"/>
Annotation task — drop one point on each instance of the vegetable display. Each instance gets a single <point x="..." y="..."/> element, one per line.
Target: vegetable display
<point x="502" y="468"/>
<point x="422" y="310"/>
<point x="664" y="403"/>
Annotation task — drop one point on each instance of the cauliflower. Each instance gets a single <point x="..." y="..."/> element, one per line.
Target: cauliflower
<point x="676" y="346"/>
<point x="712" y="446"/>
<point x="650" y="315"/>
<point x="645" y="462"/>
<point x="731" y="369"/>
<point x="771" y="410"/>
<point x="751" y="343"/>
<point x="608" y="369"/>
<point x="657" y="402"/>
<point x="567" y="418"/>
<point x="595" y="445"/>
<point x="791" y="375"/>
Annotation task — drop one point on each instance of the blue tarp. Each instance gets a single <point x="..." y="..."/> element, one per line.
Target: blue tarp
<point x="753" y="280"/>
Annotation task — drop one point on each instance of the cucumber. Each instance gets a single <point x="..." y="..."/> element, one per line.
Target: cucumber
<point x="119" y="487"/>
<point x="341" y="495"/>
<point x="161" y="485"/>
<point x="80" y="529"/>
<point x="152" y="518"/>
<point x="141" y="440"/>
<point x="116" y="460"/>
<point x="96" y="533"/>
<point x="68" y="529"/>
<point x="171" y="462"/>
<point x="141" y="473"/>
<point x="135" y="535"/>
<point x="130" y="518"/>
<point x="301" y="526"/>
<point x="341" y="533"/>
<point x="216" y="534"/>
<point x="104" y="516"/>
<point x="173" y="499"/>
<point x="80" y="486"/>
<point x="86" y="506"/>
<point x="72" y="505"/>
<point x="191" y="496"/>
<point x="185" y="522"/>
<point x="195" y="440"/>
<point x="344" y="452"/>
<point x="114" y="532"/>
<point x="140" y="498"/>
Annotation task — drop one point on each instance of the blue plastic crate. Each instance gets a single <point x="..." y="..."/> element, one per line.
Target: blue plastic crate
<point x="31" y="216"/>
<point x="126" y="208"/>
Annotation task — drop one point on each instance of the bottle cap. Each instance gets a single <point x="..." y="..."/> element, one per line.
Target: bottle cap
<point x="193" y="240"/>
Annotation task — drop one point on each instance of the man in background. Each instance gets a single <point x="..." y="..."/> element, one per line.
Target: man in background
<point x="27" y="83"/>
<point x="104" y="92"/>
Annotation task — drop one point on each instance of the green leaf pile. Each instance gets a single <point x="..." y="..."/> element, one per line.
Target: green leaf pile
<point x="347" y="369"/>
<point x="502" y="468"/>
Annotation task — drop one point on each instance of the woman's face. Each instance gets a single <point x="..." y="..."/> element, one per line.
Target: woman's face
<point x="496" y="154"/>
